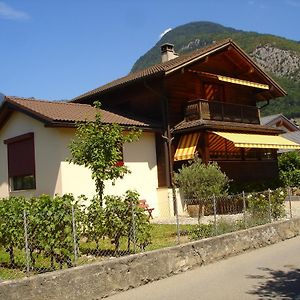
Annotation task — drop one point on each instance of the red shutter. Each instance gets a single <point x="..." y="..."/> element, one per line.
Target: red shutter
<point x="20" y="152"/>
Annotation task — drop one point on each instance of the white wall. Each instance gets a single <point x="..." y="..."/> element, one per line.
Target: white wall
<point x="54" y="175"/>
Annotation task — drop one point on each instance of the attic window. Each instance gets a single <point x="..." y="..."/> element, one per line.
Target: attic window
<point x="21" y="162"/>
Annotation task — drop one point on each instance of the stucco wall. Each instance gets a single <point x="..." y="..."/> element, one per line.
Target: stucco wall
<point x="54" y="175"/>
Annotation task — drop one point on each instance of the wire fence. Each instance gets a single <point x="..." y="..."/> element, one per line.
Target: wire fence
<point x="75" y="237"/>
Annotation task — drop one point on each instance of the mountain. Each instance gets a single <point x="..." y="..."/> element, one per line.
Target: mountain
<point x="276" y="55"/>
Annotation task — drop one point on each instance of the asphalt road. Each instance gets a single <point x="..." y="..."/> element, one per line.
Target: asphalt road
<point x="272" y="272"/>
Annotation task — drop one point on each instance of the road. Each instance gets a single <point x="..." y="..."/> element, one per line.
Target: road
<point x="272" y="272"/>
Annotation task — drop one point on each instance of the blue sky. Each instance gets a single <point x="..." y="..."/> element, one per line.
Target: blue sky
<point x="59" y="49"/>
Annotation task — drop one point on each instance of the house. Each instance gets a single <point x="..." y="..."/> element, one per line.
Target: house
<point x="281" y="122"/>
<point x="204" y="103"/>
<point x="291" y="130"/>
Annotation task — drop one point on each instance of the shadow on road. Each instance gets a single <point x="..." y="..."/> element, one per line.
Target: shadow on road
<point x="277" y="284"/>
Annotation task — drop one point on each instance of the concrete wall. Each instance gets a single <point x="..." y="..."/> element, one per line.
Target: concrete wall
<point x="54" y="175"/>
<point x="105" y="278"/>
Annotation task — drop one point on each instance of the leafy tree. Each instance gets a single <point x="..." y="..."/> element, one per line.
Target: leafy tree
<point x="200" y="181"/>
<point x="289" y="168"/>
<point x="98" y="147"/>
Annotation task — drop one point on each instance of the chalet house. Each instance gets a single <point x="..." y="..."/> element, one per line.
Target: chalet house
<point x="204" y="103"/>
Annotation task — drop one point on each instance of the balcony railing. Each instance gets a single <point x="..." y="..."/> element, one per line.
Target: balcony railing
<point x="221" y="111"/>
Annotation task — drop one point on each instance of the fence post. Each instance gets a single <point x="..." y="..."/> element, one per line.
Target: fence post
<point x="133" y="226"/>
<point x="74" y="237"/>
<point x="244" y="209"/>
<point x="290" y="202"/>
<point x="270" y="206"/>
<point x="215" y="213"/>
<point x="26" y="242"/>
<point x="176" y="212"/>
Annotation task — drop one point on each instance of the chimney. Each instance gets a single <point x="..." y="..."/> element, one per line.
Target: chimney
<point x="167" y="52"/>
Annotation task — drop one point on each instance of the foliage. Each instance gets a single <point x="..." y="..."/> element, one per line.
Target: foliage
<point x="94" y="222"/>
<point x="119" y="213"/>
<point x="289" y="168"/>
<point x="200" y="181"/>
<point x="267" y="204"/>
<point x="51" y="227"/>
<point x="202" y="231"/>
<point x="11" y="225"/>
<point x="98" y="146"/>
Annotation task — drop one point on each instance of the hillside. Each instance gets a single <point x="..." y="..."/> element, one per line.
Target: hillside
<point x="278" y="56"/>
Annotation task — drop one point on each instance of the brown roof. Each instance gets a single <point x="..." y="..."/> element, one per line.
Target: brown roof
<point x="227" y="126"/>
<point x="64" y="113"/>
<point x="162" y="69"/>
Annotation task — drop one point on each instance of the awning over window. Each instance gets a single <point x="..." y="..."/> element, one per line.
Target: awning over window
<point x="258" y="141"/>
<point x="243" y="82"/>
<point x="187" y="146"/>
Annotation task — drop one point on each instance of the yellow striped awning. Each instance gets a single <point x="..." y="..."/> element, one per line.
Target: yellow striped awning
<point x="243" y="82"/>
<point x="258" y="141"/>
<point x="187" y="146"/>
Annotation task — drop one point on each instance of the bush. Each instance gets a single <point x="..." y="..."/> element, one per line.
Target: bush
<point x="289" y="168"/>
<point x="260" y="208"/>
<point x="118" y="218"/>
<point x="200" y="181"/>
<point x="11" y="225"/>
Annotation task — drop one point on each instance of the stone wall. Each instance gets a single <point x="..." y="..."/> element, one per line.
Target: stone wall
<point x="101" y="279"/>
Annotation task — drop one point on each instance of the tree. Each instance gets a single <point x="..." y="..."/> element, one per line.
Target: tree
<point x="98" y="147"/>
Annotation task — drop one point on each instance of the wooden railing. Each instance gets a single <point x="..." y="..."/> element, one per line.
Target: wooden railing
<point x="221" y="111"/>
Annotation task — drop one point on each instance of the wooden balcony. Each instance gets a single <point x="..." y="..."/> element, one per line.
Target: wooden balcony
<point x="221" y="111"/>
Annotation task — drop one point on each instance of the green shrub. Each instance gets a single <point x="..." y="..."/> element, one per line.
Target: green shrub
<point x="11" y="225"/>
<point x="261" y="208"/>
<point x="118" y="218"/>
<point x="289" y="168"/>
<point x="200" y="181"/>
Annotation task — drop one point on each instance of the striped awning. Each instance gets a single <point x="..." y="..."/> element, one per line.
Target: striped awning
<point x="243" y="140"/>
<point x="243" y="82"/>
<point x="187" y="146"/>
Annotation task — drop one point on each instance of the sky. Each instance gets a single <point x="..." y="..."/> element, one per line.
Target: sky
<point x="59" y="49"/>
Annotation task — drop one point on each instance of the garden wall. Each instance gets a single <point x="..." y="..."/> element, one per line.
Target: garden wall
<point x="101" y="279"/>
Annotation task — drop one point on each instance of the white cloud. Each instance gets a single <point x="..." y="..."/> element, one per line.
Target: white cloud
<point x="10" y="13"/>
<point x="163" y="33"/>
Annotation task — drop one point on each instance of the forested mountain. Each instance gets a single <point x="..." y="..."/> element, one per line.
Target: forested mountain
<point x="278" y="56"/>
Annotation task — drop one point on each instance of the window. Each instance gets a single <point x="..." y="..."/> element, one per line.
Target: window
<point x="21" y="162"/>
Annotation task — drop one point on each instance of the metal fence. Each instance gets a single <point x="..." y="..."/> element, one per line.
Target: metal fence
<point x="39" y="251"/>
